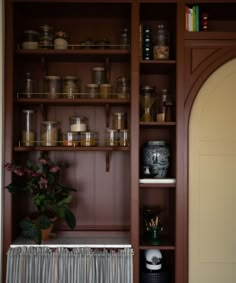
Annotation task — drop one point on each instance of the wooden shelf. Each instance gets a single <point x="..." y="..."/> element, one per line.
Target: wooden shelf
<point x="75" y="239"/>
<point x="160" y="185"/>
<point x="68" y="148"/>
<point x="157" y="124"/>
<point x="210" y="35"/>
<point x="160" y="247"/>
<point x="74" y="101"/>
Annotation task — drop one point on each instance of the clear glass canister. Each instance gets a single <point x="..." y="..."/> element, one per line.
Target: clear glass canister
<point x="119" y="120"/>
<point x="122" y="87"/>
<point x="49" y="133"/>
<point x="92" y="90"/>
<point x="70" y="139"/>
<point x="61" y="40"/>
<point x="46" y="36"/>
<point x="111" y="137"/>
<point x="88" y="138"/>
<point x="161" y="48"/>
<point x="70" y="86"/>
<point x="28" y="128"/>
<point x="53" y="86"/>
<point x="31" y="39"/>
<point x="98" y="75"/>
<point x="78" y="124"/>
<point x="123" y="137"/>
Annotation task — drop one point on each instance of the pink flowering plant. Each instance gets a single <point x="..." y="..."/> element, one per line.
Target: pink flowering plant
<point x="52" y="199"/>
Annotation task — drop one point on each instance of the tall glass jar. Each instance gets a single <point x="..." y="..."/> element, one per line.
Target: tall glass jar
<point x="70" y="86"/>
<point x="161" y="48"/>
<point x="49" y="133"/>
<point x="28" y="128"/>
<point x="119" y="120"/>
<point x="53" y="86"/>
<point x="46" y="36"/>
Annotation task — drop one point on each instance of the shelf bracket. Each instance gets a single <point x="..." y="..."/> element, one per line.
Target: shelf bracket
<point x="107" y="109"/>
<point x="107" y="161"/>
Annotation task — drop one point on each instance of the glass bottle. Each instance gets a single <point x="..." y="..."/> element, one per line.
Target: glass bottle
<point x="161" y="49"/>
<point x="46" y="36"/>
<point x="125" y="39"/>
<point x="147" y="100"/>
<point x="28" y="86"/>
<point x="28" y="128"/>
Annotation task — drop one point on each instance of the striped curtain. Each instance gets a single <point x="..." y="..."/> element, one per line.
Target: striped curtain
<point x="69" y="265"/>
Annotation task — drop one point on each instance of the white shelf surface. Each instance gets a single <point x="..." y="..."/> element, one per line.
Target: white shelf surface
<point x="82" y="239"/>
<point x="158" y="181"/>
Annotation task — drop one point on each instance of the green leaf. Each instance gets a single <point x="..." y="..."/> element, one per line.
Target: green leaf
<point x="30" y="230"/>
<point x="66" y="200"/>
<point x="70" y="218"/>
<point x="43" y="222"/>
<point x="14" y="188"/>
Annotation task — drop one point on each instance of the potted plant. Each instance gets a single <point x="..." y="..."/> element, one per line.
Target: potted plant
<point x="51" y="199"/>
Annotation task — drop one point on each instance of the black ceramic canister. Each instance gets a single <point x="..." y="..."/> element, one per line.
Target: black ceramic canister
<point x="155" y="159"/>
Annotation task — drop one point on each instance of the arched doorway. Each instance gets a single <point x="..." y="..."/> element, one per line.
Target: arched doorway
<point x="212" y="179"/>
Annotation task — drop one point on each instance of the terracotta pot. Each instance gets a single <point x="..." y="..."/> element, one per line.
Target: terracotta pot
<point x="46" y="232"/>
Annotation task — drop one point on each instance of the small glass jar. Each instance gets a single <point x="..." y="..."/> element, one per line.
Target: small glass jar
<point x="105" y="90"/>
<point x="98" y="75"/>
<point x="111" y="137"/>
<point x="124" y="44"/>
<point x="28" y="89"/>
<point x="28" y="128"/>
<point x="53" y="86"/>
<point x="70" y="86"/>
<point x="46" y="36"/>
<point x="78" y="124"/>
<point x="161" y="48"/>
<point x="119" y="120"/>
<point x="88" y="138"/>
<point x="31" y="39"/>
<point x="49" y="133"/>
<point x="122" y="87"/>
<point x="92" y="90"/>
<point x="123" y="137"/>
<point x="70" y="139"/>
<point x="61" y="40"/>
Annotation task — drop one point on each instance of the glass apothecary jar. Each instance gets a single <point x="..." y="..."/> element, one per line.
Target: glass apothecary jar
<point x="92" y="90"/>
<point x="161" y="48"/>
<point x="105" y="90"/>
<point x="70" y="86"/>
<point x="98" y="75"/>
<point x="46" y="37"/>
<point x="49" y="133"/>
<point x="61" y="40"/>
<point x="122" y="87"/>
<point x="78" y="124"/>
<point x="119" y="120"/>
<point x="53" y="86"/>
<point x="123" y="137"/>
<point x="31" y="39"/>
<point x="111" y="136"/>
<point x="70" y="139"/>
<point x="88" y="138"/>
<point x="28" y="127"/>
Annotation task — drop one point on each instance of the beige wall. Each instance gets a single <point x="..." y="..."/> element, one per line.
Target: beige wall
<point x="212" y="180"/>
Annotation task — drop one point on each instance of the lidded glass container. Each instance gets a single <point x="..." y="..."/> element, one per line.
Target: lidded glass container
<point x="88" y="138"/>
<point x="92" y="90"/>
<point x="61" y="40"/>
<point x="28" y="127"/>
<point x="119" y="120"/>
<point x="49" y="133"/>
<point x="31" y="39"/>
<point x="78" y="124"/>
<point x="98" y="75"/>
<point x="111" y="136"/>
<point x="161" y="48"/>
<point x="46" y="36"/>
<point x="122" y="87"/>
<point x="53" y="86"/>
<point x="147" y="99"/>
<point x="105" y="90"/>
<point x="70" y="86"/>
<point x="123" y="137"/>
<point x="70" y="139"/>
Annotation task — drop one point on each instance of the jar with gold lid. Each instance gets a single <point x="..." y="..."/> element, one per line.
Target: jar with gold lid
<point x="119" y="120"/>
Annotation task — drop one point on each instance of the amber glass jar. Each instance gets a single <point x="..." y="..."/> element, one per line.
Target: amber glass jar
<point x="119" y="120"/>
<point x="161" y="48"/>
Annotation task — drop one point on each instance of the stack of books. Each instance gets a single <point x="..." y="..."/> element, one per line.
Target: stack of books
<point x="192" y="18"/>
